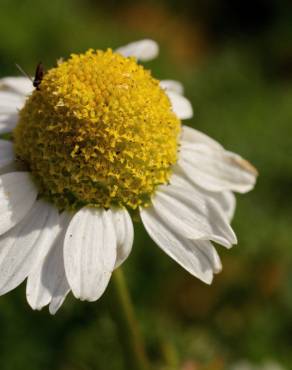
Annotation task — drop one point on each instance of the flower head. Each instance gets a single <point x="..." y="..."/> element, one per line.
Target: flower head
<point x="101" y="137"/>
<point x="99" y="131"/>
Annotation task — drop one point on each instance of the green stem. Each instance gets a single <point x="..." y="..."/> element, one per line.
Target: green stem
<point x="128" y="331"/>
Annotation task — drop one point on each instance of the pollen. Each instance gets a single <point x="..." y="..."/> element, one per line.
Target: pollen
<point x="100" y="131"/>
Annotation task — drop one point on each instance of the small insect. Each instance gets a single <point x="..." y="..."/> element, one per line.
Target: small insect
<point x="39" y="74"/>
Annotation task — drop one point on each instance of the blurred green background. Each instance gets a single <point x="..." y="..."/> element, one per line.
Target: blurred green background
<point x="235" y="59"/>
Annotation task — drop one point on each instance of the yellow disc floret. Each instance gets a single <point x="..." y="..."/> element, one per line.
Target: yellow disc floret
<point x="99" y="131"/>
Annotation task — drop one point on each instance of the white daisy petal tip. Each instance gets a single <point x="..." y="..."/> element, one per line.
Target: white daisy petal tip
<point x="216" y="261"/>
<point x="247" y="167"/>
<point x="218" y="269"/>
<point x="209" y="280"/>
<point x="225" y="170"/>
<point x="248" y="173"/>
<point x="206" y="278"/>
<point x="181" y="106"/>
<point x="143" y="50"/>
<point x="193" y="215"/>
<point x="57" y="302"/>
<point x="53" y="310"/>
<point x="172" y="85"/>
<point x="216" y="170"/>
<point x="180" y="249"/>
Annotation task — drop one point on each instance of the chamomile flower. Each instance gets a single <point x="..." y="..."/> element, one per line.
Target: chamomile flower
<point x="99" y="140"/>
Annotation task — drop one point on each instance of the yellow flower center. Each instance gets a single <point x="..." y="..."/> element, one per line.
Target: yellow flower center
<point x="99" y="131"/>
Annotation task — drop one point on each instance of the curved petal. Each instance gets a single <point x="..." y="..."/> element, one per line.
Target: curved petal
<point x="19" y="246"/>
<point x="216" y="170"/>
<point x="143" y="50"/>
<point x="171" y="85"/>
<point x="191" y="136"/>
<point x="6" y="153"/>
<point x="225" y="199"/>
<point x="211" y="254"/>
<point x="192" y="215"/>
<point x="59" y="287"/>
<point x="182" y="250"/>
<point x="50" y="284"/>
<point x="125" y="234"/>
<point x="37" y="294"/>
<point x="90" y="252"/>
<point x="17" y="196"/>
<point x="20" y="85"/>
<point x="181" y="106"/>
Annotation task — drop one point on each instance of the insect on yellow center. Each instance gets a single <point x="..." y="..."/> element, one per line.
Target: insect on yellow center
<point x="99" y="131"/>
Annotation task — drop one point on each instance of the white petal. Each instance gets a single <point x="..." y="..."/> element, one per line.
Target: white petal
<point x="58" y="286"/>
<point x="191" y="136"/>
<point x="181" y="106"/>
<point x="216" y="170"/>
<point x="225" y="199"/>
<point x="192" y="215"/>
<point x="53" y="284"/>
<point x="8" y="122"/>
<point x="37" y="294"/>
<point x="60" y="295"/>
<point x="143" y="50"/>
<point x="6" y="153"/>
<point x="17" y="196"/>
<point x="20" y="246"/>
<point x="211" y="254"/>
<point x="54" y="265"/>
<point x="57" y="302"/>
<point x="178" y="178"/>
<point x="10" y="102"/>
<point x="180" y="249"/>
<point x="90" y="252"/>
<point x="20" y="85"/>
<point x="124" y="233"/>
<point x="172" y="85"/>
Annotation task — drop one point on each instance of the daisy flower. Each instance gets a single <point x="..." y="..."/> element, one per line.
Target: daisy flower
<point x="98" y="141"/>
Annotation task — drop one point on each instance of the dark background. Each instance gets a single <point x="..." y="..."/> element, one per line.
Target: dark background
<point x="235" y="59"/>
